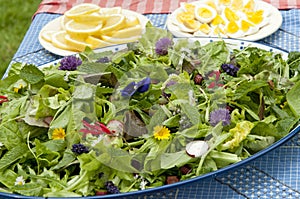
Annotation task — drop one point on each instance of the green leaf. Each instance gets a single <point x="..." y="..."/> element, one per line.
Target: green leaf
<point x="293" y="99"/>
<point x="13" y="155"/>
<point x="31" y="74"/>
<point x="171" y="160"/>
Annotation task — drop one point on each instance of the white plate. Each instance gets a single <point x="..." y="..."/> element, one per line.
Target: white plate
<point x="273" y="26"/>
<point x="54" y="25"/>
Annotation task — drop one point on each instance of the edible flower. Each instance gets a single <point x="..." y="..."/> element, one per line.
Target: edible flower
<point x="111" y="188"/>
<point x="161" y="132"/>
<point x="220" y="115"/>
<point x="1" y="145"/>
<point x="70" y="63"/>
<point x="215" y="77"/>
<point x="133" y="87"/>
<point x="79" y="149"/>
<point x="162" y="45"/>
<point x="230" y="69"/>
<point x="103" y="60"/>
<point x="94" y="129"/>
<point x="3" y="99"/>
<point x="20" y="181"/>
<point x="17" y="89"/>
<point x="58" y="133"/>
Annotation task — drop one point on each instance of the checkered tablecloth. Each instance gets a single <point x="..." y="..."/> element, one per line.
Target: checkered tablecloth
<point x="273" y="175"/>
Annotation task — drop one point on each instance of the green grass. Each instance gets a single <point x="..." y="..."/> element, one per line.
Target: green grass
<point x="15" y="19"/>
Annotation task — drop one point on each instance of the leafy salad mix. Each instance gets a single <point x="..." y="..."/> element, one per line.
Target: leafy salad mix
<point x="158" y="112"/>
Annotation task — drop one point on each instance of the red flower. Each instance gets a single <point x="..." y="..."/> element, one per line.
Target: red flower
<point x="3" y="99"/>
<point x="94" y="129"/>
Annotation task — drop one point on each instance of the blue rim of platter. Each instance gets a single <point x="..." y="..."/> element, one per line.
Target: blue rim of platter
<point x="242" y="44"/>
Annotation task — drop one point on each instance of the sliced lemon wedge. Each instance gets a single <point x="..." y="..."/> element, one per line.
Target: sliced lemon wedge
<point x="114" y="22"/>
<point x="97" y="42"/>
<point x="59" y="40"/>
<point x="82" y="9"/>
<point x="76" y="29"/>
<point x="77" y="43"/>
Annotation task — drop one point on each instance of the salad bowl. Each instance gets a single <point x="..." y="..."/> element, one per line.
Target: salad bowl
<point x="144" y="119"/>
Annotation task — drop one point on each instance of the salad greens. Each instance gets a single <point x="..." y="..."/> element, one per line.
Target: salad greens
<point x="120" y="122"/>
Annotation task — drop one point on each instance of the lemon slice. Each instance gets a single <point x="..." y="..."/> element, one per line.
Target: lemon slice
<point x="47" y="35"/>
<point x="113" y="10"/>
<point x="76" y="29"/>
<point x="114" y="22"/>
<point x="132" y="21"/>
<point x="97" y="43"/>
<point x="90" y="18"/>
<point x="82" y="9"/>
<point x="59" y="41"/>
<point x="128" y="32"/>
<point x="76" y="43"/>
<point x="64" y="19"/>
<point x="116" y="40"/>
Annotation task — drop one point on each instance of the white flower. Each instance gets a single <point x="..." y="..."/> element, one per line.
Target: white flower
<point x="1" y="145"/>
<point x="66" y="77"/>
<point x="20" y="181"/>
<point x="143" y="184"/>
<point x="94" y="142"/>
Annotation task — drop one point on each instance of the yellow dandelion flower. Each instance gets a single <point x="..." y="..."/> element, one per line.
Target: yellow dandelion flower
<point x="58" y="133"/>
<point x="16" y="89"/>
<point x="161" y="132"/>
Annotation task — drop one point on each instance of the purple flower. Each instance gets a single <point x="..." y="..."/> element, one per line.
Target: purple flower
<point x="133" y="87"/>
<point x="220" y="115"/>
<point x="111" y="188"/>
<point x="79" y="149"/>
<point x="230" y="69"/>
<point x="162" y="45"/>
<point x="70" y="63"/>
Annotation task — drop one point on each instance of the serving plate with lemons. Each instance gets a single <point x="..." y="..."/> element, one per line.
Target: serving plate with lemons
<point x="250" y="20"/>
<point x="88" y="25"/>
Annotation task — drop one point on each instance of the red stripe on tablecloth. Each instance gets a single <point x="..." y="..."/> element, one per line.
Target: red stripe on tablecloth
<point x="141" y="6"/>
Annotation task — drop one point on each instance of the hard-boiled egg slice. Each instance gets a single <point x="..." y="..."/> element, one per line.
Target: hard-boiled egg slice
<point x="257" y="18"/>
<point x="233" y="30"/>
<point x="187" y="7"/>
<point x="230" y="15"/>
<point x="205" y="13"/>
<point x="248" y="28"/>
<point x="190" y="26"/>
<point x="250" y="6"/>
<point x="182" y="16"/>
<point x="204" y="30"/>
<point x="237" y="5"/>
<point x="213" y="4"/>
<point x="218" y="31"/>
<point x="218" y="20"/>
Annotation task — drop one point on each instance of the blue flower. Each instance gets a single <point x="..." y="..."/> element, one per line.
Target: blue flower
<point x="162" y="45"/>
<point x="70" y="63"/>
<point x="103" y="60"/>
<point x="230" y="69"/>
<point x="111" y="188"/>
<point x="133" y="87"/>
<point x="79" y="149"/>
<point x="220" y="115"/>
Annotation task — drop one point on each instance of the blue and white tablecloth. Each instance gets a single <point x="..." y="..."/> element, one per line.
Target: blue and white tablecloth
<point x="273" y="175"/>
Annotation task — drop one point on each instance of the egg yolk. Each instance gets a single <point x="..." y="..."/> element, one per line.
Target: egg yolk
<point x="204" y="12"/>
<point x="245" y="25"/>
<point x="230" y="15"/>
<point x="217" y="21"/>
<point x="204" y="28"/>
<point x="224" y="2"/>
<point x="190" y="23"/>
<point x="183" y="16"/>
<point x="218" y="31"/>
<point x="249" y="7"/>
<point x="255" y="17"/>
<point x="237" y="4"/>
<point x="189" y="7"/>
<point x="232" y="27"/>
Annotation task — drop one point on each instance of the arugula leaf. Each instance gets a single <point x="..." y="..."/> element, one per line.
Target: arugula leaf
<point x="292" y="99"/>
<point x="31" y="74"/>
